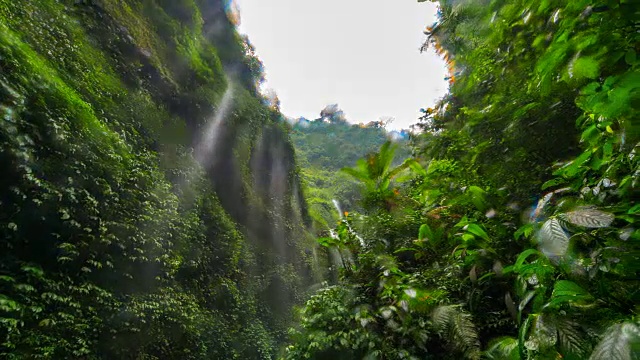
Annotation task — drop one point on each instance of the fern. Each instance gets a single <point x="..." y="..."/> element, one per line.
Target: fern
<point x="588" y="217"/>
<point x="620" y="342"/>
<point x="441" y="317"/>
<point x="458" y="327"/>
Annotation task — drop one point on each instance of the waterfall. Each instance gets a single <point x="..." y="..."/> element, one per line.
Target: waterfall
<point x="206" y="146"/>
<point x="360" y="239"/>
<point x="337" y="206"/>
<point x="271" y="187"/>
<point x="278" y="184"/>
<point x="341" y="214"/>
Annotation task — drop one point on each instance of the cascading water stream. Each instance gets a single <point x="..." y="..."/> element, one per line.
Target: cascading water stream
<point x="341" y="214"/>
<point x="205" y="147"/>
<point x="278" y="193"/>
<point x="337" y="206"/>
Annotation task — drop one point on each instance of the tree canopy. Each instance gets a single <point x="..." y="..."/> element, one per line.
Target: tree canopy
<point x="326" y="145"/>
<point x="514" y="234"/>
<point x="154" y="204"/>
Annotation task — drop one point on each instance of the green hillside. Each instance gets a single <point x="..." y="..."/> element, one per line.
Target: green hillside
<point x="150" y="201"/>
<point x="155" y="204"/>
<point x="328" y="144"/>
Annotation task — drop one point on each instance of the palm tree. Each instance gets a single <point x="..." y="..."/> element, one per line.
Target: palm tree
<point x="376" y="173"/>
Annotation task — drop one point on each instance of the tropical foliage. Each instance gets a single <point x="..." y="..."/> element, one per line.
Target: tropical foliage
<point x="518" y="236"/>
<point x="152" y="206"/>
<point x="326" y="145"/>
<point x="118" y="241"/>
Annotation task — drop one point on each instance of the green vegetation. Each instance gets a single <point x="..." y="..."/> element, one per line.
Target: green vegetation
<point x="115" y="242"/>
<point x="326" y="145"/>
<point x="517" y="237"/>
<point x="152" y="206"/>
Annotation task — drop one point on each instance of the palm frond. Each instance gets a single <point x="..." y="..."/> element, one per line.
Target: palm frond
<point x="360" y="175"/>
<point x="416" y="167"/>
<point x="396" y="170"/>
<point x="385" y="158"/>
<point x="457" y="325"/>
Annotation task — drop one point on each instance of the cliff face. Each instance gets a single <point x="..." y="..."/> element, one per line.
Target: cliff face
<point x="150" y="201"/>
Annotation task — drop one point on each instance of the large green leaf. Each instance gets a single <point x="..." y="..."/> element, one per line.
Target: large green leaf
<point x="382" y="160"/>
<point x="416" y="167"/>
<point x="573" y="168"/>
<point x="619" y="342"/>
<point x="476" y="230"/>
<point x="568" y="288"/>
<point x="398" y="169"/>
<point x="522" y="335"/>
<point x="425" y="232"/>
<point x="525" y="230"/>
<point x="523" y="257"/>
<point x="589" y="217"/>
<point x="552" y="239"/>
<point x="478" y="197"/>
<point x="360" y="175"/>
<point x="565" y="291"/>
<point x="552" y="183"/>
<point x="505" y="348"/>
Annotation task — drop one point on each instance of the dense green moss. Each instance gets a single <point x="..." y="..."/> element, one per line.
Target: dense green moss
<point x="117" y="243"/>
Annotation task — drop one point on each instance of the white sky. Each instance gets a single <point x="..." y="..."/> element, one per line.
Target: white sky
<point x="362" y="54"/>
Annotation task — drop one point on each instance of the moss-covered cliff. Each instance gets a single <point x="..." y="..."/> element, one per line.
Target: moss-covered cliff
<point x="150" y="206"/>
